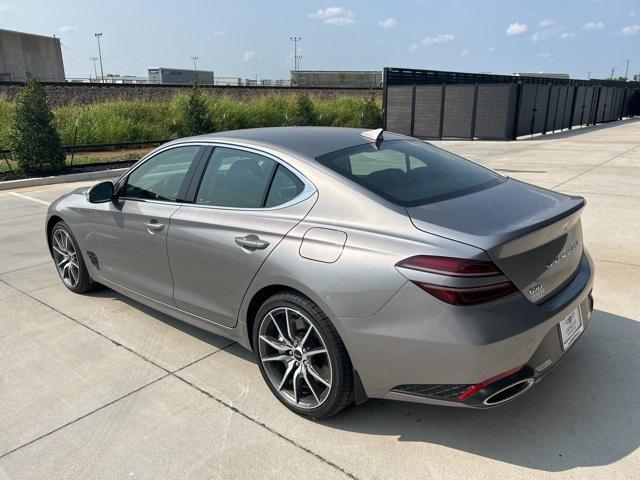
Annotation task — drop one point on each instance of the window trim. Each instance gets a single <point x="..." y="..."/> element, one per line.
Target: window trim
<point x="122" y="181"/>
<point x="308" y="190"/>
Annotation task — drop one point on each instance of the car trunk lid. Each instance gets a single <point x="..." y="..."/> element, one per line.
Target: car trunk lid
<point x="532" y="234"/>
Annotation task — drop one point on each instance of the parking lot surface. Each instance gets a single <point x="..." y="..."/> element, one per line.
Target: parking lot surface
<point x="99" y="386"/>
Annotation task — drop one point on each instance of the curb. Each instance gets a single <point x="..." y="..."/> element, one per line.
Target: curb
<point x="72" y="177"/>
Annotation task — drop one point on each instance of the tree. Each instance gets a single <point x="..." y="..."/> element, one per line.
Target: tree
<point x="371" y="114"/>
<point x="197" y="118"/>
<point x="303" y="112"/>
<point x="35" y="142"/>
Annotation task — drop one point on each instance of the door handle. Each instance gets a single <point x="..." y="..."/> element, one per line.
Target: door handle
<point x="154" y="226"/>
<point x="251" y="242"/>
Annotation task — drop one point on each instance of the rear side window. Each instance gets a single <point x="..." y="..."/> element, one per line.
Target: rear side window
<point x="410" y="173"/>
<point x="285" y="186"/>
<point x="235" y="178"/>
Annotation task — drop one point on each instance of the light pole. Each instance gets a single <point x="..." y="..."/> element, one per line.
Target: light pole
<point x="95" y="68"/>
<point x="298" y="58"/>
<point x="98" y="35"/>
<point x="626" y="73"/>
<point x="195" y="68"/>
<point x="613" y="69"/>
<point x="295" y="41"/>
<point x="588" y="75"/>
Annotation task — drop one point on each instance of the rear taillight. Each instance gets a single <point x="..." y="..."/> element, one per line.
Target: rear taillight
<point x="459" y="267"/>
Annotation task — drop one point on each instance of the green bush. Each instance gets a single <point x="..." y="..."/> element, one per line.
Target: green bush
<point x="197" y="119"/>
<point x="35" y="142"/>
<point x="303" y="112"/>
<point x="6" y="123"/>
<point x="371" y="113"/>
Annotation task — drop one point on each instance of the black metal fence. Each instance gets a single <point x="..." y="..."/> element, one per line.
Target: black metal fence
<point x="436" y="104"/>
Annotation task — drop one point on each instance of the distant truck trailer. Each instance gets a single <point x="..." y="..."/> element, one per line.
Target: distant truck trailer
<point x="179" y="76"/>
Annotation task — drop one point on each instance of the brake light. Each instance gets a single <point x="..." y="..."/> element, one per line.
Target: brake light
<point x="468" y="296"/>
<point x="459" y="267"/>
<point x="473" y="389"/>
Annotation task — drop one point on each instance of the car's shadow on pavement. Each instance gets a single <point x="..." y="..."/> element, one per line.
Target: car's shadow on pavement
<point x="584" y="413"/>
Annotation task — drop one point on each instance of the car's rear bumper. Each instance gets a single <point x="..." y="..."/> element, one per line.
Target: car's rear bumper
<point x="419" y="349"/>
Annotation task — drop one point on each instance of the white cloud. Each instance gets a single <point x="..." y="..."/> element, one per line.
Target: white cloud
<point x="593" y="26"/>
<point x="413" y="47"/>
<point x="631" y="30"/>
<point x="516" y="29"/>
<point x="567" y="35"/>
<point x="438" y="39"/>
<point x="632" y="14"/>
<point x="388" y="23"/>
<point x="218" y="33"/>
<point x="544" y="55"/>
<point x="492" y="49"/>
<point x="248" y="56"/>
<point x="336" y="16"/>
<point x="548" y="22"/>
<point x="465" y="52"/>
<point x="68" y="29"/>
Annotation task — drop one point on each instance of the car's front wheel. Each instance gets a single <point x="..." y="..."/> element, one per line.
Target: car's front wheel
<point x="301" y="356"/>
<point x="68" y="259"/>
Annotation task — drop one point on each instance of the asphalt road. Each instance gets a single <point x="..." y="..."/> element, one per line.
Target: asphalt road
<point x="98" y="386"/>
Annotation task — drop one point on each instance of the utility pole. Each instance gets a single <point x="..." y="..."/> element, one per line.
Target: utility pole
<point x="613" y="69"/>
<point x="95" y="68"/>
<point x="626" y="73"/>
<point x="98" y="35"/>
<point x="588" y="75"/>
<point x="298" y="58"/>
<point x="295" y="41"/>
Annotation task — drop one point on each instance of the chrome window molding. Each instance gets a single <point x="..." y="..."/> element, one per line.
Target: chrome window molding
<point x="308" y="190"/>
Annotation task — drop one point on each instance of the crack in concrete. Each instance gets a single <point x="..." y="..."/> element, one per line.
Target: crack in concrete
<point x="168" y="373"/>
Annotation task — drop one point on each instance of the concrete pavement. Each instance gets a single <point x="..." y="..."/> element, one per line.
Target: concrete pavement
<point x="98" y="386"/>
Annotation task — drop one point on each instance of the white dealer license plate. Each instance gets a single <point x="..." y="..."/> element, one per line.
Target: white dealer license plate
<point x="571" y="328"/>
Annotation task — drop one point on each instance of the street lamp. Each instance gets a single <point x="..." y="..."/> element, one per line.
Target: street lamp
<point x="95" y="68"/>
<point x="195" y="69"/>
<point x="98" y="35"/>
<point x="295" y="41"/>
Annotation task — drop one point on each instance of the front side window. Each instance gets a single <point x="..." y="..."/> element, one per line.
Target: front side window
<point x="410" y="172"/>
<point x="161" y="177"/>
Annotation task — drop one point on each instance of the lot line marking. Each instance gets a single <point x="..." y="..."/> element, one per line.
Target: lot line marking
<point x="29" y="197"/>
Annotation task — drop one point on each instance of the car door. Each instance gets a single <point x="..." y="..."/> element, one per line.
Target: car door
<point x="244" y="206"/>
<point x="131" y="231"/>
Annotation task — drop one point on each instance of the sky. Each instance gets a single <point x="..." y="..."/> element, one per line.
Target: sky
<point x="245" y="38"/>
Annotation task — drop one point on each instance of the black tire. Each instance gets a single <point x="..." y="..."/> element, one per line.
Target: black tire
<point x="84" y="283"/>
<point x="341" y="392"/>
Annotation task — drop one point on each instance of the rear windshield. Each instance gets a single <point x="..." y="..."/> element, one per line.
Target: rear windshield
<point x="409" y="172"/>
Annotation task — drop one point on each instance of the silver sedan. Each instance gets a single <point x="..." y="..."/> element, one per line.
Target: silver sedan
<point x="355" y="264"/>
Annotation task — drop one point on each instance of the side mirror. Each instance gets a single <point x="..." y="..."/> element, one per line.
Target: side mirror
<point x="100" y="193"/>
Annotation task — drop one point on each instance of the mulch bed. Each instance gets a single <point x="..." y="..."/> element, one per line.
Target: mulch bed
<point x="96" y="167"/>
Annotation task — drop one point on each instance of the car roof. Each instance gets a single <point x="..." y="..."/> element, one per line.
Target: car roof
<point x="305" y="142"/>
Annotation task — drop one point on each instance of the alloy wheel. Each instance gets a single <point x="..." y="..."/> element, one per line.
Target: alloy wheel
<point x="65" y="257"/>
<point x="295" y="358"/>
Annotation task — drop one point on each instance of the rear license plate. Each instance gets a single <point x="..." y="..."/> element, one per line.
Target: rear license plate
<point x="571" y="328"/>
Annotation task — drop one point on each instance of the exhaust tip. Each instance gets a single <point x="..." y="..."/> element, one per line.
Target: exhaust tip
<point x="509" y="392"/>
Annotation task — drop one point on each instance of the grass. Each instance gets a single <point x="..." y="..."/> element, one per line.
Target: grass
<point x="138" y="120"/>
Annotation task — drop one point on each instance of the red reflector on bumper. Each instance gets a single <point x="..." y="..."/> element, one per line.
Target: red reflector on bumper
<point x="473" y="389"/>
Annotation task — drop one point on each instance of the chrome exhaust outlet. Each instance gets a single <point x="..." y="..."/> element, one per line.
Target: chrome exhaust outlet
<point x="509" y="392"/>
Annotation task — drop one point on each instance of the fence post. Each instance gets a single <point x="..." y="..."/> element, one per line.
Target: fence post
<point x="413" y="108"/>
<point x="546" y="111"/>
<point x="474" y="111"/>
<point x="441" y="127"/>
<point x="385" y="86"/>
<point x="534" y="110"/>
<point x="516" y="117"/>
<point x="573" y="105"/>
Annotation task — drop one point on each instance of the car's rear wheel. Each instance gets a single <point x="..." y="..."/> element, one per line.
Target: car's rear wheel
<point x="68" y="260"/>
<point x="301" y="356"/>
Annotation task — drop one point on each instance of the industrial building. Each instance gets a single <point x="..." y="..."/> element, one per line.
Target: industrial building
<point x="25" y="52"/>
<point x="336" y="79"/>
<point x="179" y="76"/>
<point x="543" y="75"/>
